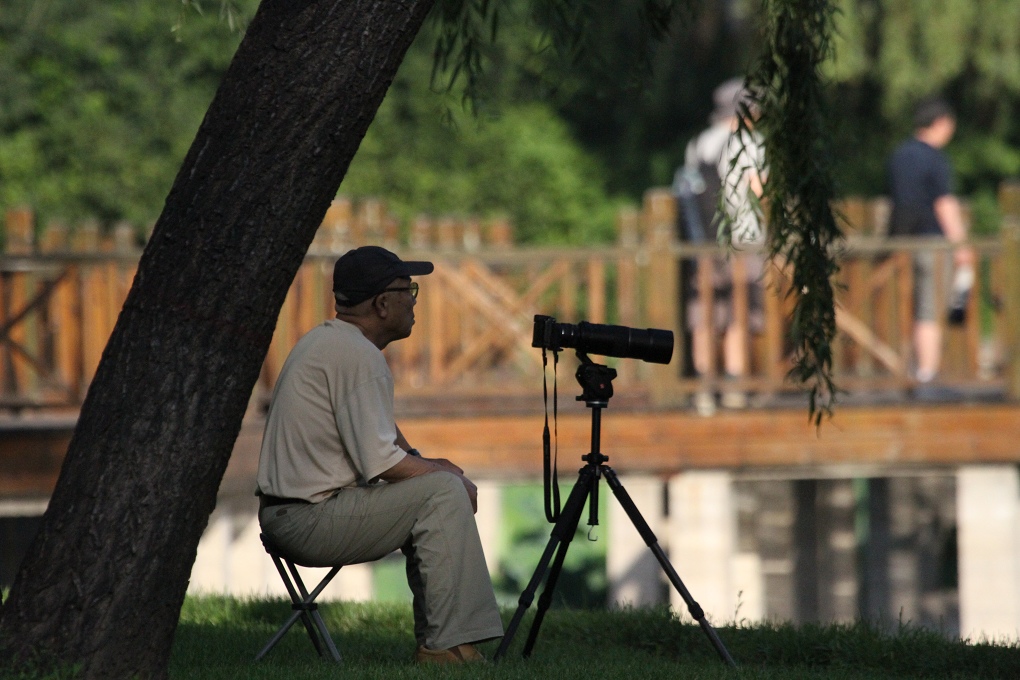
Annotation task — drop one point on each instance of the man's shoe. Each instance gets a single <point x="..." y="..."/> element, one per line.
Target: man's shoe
<point x="458" y="654"/>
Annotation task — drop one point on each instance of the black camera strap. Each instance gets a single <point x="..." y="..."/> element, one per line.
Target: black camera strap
<point x="549" y="454"/>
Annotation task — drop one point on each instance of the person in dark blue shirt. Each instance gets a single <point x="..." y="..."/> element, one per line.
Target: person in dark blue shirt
<point x="923" y="205"/>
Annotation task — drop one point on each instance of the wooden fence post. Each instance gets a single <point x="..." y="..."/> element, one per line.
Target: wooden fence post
<point x="1011" y="266"/>
<point x="20" y="225"/>
<point x="500" y="233"/>
<point x="334" y="234"/>
<point x="17" y="288"/>
<point x="627" y="288"/>
<point x="1009" y="203"/>
<point x="63" y="328"/>
<point x="663" y="291"/>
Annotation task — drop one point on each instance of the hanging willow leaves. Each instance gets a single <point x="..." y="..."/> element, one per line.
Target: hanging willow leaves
<point x="788" y="92"/>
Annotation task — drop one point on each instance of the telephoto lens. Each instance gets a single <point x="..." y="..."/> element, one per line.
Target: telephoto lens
<point x="650" y="344"/>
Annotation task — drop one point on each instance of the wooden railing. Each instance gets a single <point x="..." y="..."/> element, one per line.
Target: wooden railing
<point x="60" y="296"/>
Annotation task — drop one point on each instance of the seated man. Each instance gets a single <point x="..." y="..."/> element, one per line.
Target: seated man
<point x="338" y="482"/>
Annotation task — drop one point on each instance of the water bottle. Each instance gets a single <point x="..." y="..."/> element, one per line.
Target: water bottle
<point x="963" y="281"/>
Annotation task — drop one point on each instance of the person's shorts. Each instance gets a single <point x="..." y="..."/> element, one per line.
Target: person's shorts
<point x="723" y="315"/>
<point x="926" y="266"/>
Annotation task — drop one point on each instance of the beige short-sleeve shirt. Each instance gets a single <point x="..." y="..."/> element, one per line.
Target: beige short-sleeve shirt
<point x="330" y="423"/>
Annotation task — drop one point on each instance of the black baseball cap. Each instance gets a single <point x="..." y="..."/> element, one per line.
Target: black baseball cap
<point x="366" y="271"/>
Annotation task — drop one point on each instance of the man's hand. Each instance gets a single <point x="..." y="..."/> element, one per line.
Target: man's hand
<point x="413" y="466"/>
<point x="446" y="465"/>
<point x="964" y="256"/>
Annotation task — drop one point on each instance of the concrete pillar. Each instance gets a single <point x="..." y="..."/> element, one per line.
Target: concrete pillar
<point x="702" y="542"/>
<point x="232" y="561"/>
<point x="748" y="562"/>
<point x="252" y="572"/>
<point x="211" y="571"/>
<point x="355" y="583"/>
<point x="489" y="519"/>
<point x="635" y="576"/>
<point x="988" y="522"/>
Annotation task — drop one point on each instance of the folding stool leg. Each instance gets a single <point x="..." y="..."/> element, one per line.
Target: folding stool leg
<point x="310" y="610"/>
<point x="304" y="606"/>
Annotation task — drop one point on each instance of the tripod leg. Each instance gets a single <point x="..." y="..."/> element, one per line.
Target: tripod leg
<point x="568" y="519"/>
<point x="545" y="599"/>
<point x="652" y="542"/>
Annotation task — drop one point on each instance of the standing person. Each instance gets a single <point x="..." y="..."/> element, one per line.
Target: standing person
<point x="722" y="161"/>
<point x="339" y="484"/>
<point x="923" y="205"/>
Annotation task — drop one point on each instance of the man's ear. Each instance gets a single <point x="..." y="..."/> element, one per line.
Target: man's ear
<point x="381" y="306"/>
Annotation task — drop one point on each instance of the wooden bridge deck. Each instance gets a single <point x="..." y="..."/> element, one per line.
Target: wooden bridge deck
<point x="469" y="382"/>
<point x="860" y="440"/>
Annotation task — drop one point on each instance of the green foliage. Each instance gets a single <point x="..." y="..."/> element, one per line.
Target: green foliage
<point x="426" y="154"/>
<point x="100" y="102"/>
<point x="631" y="78"/>
<point x="890" y="53"/>
<point x="582" y="583"/>
<point x="105" y="99"/>
<point x="802" y="230"/>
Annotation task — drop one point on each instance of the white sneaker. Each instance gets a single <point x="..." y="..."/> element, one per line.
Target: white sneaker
<point x="704" y="404"/>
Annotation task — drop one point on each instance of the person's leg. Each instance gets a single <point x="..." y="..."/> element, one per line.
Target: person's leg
<point x="927" y="330"/>
<point x="735" y="351"/>
<point x="701" y="349"/>
<point x="432" y="515"/>
<point x="735" y="337"/>
<point x="928" y="349"/>
<point x="702" y="352"/>
<point x="447" y="573"/>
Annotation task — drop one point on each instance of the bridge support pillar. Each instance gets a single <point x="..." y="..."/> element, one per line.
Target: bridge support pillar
<point x="489" y="519"/>
<point x="635" y="577"/>
<point x="703" y="547"/>
<point x="988" y="521"/>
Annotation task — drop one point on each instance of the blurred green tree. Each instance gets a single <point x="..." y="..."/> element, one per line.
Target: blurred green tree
<point x="890" y="53"/>
<point x="99" y="103"/>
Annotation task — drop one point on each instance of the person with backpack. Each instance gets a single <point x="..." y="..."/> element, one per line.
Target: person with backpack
<point x="721" y="169"/>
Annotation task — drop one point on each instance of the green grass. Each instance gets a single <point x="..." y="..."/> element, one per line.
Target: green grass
<point x="217" y="639"/>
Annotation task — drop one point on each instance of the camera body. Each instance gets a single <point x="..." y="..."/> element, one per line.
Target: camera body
<point x="650" y="344"/>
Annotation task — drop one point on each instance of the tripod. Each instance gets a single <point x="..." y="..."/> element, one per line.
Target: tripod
<point x="597" y="387"/>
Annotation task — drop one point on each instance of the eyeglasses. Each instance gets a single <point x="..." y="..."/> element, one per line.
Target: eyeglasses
<point x="411" y="287"/>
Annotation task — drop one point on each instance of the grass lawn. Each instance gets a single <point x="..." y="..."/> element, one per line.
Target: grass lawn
<point x="217" y="638"/>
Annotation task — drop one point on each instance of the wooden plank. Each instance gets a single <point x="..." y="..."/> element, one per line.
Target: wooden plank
<point x="741" y="311"/>
<point x="858" y="441"/>
<point x="673" y="441"/>
<point x="867" y="340"/>
<point x="596" y="291"/>
<point x="1011" y="302"/>
<point x="567" y="306"/>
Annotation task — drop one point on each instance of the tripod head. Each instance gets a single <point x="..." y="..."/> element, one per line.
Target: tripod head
<point x="596" y="382"/>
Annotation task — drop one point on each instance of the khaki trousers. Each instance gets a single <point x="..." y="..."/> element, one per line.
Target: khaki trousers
<point x="429" y="518"/>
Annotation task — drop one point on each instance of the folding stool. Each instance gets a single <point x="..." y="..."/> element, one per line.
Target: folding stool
<point x="303" y="604"/>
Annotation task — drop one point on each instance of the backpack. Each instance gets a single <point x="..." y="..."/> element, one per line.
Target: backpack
<point x="697" y="190"/>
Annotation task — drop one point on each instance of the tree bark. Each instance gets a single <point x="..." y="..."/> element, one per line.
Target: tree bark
<point x="103" y="584"/>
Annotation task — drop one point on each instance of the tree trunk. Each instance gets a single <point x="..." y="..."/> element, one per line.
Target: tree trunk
<point x="103" y="583"/>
